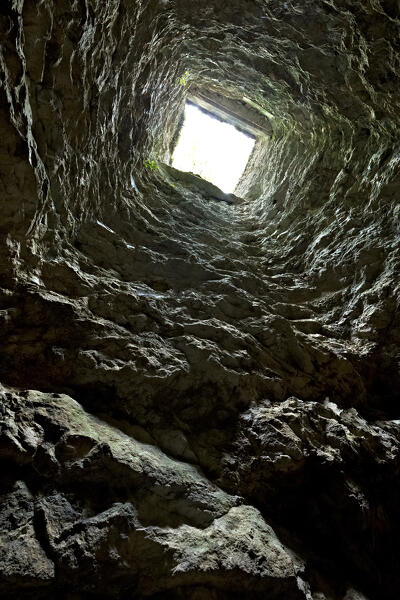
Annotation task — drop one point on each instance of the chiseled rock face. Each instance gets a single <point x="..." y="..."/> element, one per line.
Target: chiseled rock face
<point x="24" y="563"/>
<point x="113" y="513"/>
<point x="199" y="391"/>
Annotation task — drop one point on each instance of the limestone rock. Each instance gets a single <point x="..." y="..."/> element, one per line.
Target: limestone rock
<point x="199" y="391"/>
<point x="24" y="562"/>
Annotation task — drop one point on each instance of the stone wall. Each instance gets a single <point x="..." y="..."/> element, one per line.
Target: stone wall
<point x="199" y="399"/>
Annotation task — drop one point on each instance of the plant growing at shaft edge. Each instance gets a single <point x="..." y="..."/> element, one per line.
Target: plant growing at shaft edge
<point x="183" y="79"/>
<point x="150" y="164"/>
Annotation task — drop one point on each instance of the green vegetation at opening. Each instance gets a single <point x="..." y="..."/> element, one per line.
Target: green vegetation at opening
<point x="150" y="164"/>
<point x="183" y="79"/>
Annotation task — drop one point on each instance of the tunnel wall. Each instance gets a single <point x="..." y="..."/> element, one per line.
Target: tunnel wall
<point x="199" y="399"/>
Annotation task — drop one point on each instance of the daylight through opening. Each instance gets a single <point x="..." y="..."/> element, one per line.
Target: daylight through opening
<point x="215" y="150"/>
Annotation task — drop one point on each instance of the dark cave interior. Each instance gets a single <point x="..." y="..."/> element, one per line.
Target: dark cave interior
<point x="199" y="390"/>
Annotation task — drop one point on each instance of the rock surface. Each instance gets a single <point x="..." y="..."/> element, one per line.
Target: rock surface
<point x="199" y="392"/>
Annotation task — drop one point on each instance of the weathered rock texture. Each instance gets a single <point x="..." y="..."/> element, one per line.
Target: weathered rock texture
<point x="199" y="399"/>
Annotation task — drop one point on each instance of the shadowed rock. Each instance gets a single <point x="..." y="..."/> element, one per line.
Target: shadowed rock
<point x="199" y="390"/>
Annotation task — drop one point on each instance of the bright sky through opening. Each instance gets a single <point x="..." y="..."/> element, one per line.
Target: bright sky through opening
<point x="214" y="150"/>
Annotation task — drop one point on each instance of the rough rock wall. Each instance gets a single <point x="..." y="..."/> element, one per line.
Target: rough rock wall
<point x="199" y="400"/>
